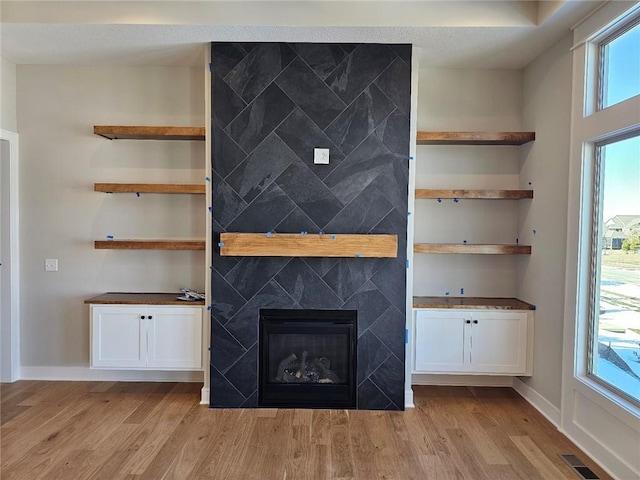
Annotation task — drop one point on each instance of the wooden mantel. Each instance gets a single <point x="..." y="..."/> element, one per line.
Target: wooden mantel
<point x="308" y="245"/>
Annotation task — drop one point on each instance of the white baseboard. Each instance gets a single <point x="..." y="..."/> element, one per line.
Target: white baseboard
<point x="461" y="380"/>
<point x="544" y="406"/>
<point x="87" y="374"/>
<point x="408" y="399"/>
<point x="602" y="455"/>
<point x="204" y="396"/>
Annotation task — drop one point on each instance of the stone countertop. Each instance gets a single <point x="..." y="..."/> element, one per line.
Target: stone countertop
<point x="126" y="298"/>
<point x="479" y="303"/>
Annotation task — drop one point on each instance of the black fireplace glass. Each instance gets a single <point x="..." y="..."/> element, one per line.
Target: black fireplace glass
<point x="307" y="358"/>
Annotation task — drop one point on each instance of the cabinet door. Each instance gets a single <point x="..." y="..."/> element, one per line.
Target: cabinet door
<point x="440" y="341"/>
<point x="118" y="337"/>
<point x="499" y="342"/>
<point x="175" y="338"/>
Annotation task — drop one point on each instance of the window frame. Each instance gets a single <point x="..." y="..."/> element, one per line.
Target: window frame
<point x="601" y="81"/>
<point x="594" y="272"/>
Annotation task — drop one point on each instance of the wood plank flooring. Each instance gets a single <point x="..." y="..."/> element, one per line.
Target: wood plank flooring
<point x="111" y="430"/>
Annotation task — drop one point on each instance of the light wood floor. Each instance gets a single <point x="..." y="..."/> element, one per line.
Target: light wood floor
<point x="104" y="430"/>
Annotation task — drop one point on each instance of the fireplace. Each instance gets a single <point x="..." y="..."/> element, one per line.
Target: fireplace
<point x="307" y="358"/>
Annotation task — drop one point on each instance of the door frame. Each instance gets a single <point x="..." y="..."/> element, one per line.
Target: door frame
<point x="14" y="257"/>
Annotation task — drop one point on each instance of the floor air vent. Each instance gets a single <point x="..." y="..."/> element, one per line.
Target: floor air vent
<point x="579" y="466"/>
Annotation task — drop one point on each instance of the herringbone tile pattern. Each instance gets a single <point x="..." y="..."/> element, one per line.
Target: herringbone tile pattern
<point x="272" y="104"/>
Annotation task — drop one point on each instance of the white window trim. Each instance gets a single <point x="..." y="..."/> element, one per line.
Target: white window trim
<point x="604" y="424"/>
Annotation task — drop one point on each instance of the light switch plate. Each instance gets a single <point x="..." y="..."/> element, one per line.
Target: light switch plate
<point x="321" y="156"/>
<point x="50" y="264"/>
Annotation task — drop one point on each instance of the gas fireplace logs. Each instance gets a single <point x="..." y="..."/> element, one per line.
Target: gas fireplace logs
<point x="314" y="370"/>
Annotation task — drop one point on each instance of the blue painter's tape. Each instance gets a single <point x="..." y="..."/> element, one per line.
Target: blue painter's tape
<point x="211" y="67"/>
<point x="462" y="291"/>
<point x="137" y="194"/>
<point x="446" y="293"/>
<point x="211" y="209"/>
<point x="358" y="255"/>
<point x="110" y="237"/>
<point x="333" y="237"/>
<point x="410" y="158"/>
<point x="320" y="232"/>
<point x="209" y="307"/>
<point x="408" y="213"/>
<point x="207" y="179"/>
<point x="221" y="244"/>
<point x="268" y="234"/>
<point x="303" y="232"/>
<point x="534" y="232"/>
<point x="406" y="336"/>
<point x="439" y="200"/>
<point x="407" y="263"/>
<point x="455" y="200"/>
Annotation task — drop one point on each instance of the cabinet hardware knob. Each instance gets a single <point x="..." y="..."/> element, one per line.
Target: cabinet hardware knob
<point x="150" y="317"/>
<point x="468" y="321"/>
<point x="142" y="317"/>
<point x="475" y="321"/>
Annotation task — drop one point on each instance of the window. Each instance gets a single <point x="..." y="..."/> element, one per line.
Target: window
<point x="614" y="353"/>
<point x="620" y="66"/>
<point x="613" y="349"/>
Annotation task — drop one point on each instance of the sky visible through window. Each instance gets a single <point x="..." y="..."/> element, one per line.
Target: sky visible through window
<point x="622" y="68"/>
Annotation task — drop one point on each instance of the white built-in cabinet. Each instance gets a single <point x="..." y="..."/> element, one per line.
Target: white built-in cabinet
<point x="460" y="341"/>
<point x="140" y="337"/>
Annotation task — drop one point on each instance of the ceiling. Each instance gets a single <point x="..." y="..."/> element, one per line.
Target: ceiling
<point x="451" y="33"/>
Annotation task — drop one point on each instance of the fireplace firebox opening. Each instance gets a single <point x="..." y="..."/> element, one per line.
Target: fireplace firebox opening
<point x="307" y="358"/>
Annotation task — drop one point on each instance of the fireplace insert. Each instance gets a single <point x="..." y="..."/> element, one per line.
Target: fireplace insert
<point x="307" y="358"/>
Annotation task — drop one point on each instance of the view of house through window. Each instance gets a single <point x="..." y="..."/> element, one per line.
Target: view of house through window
<point x="615" y="351"/>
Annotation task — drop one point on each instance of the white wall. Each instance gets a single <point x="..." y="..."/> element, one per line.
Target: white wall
<point x="61" y="215"/>
<point x="8" y="95"/>
<point x="463" y="99"/>
<point x="547" y="111"/>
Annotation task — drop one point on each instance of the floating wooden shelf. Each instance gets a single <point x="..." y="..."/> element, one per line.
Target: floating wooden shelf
<point x="310" y="245"/>
<point x="116" y="132"/>
<point x="148" y="188"/>
<point x="475" y="194"/>
<point x="126" y="298"/>
<point x="472" y="303"/>
<point x="475" y="138"/>
<point x="149" y="244"/>
<point x="472" y="248"/>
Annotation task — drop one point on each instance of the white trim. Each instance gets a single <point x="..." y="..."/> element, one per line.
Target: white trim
<point x="540" y="403"/>
<point x="86" y="374"/>
<point x="204" y="396"/>
<point x="461" y="380"/>
<point x="621" y="472"/>
<point x="14" y="248"/>
<point x="206" y="313"/>
<point x="602" y="19"/>
<point x="413" y="129"/>
<point x="408" y="399"/>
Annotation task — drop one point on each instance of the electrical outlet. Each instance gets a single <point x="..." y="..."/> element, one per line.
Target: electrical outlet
<point x="50" y="264"/>
<point x="321" y="156"/>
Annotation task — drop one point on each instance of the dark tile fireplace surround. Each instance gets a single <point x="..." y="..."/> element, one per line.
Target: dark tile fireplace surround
<point x="272" y="104"/>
